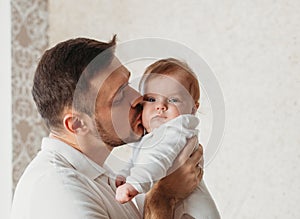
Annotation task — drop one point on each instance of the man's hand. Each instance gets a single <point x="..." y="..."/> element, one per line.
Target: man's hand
<point x="185" y="179"/>
<point x="161" y="199"/>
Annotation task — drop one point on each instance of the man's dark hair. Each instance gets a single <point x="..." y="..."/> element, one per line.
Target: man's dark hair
<point x="59" y="71"/>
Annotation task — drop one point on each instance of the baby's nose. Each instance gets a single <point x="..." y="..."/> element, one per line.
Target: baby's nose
<point x="161" y="106"/>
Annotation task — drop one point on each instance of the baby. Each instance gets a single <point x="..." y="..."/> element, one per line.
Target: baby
<point x="171" y="99"/>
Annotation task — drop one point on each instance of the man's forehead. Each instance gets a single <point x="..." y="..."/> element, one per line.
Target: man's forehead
<point x="117" y="67"/>
<point x="112" y="73"/>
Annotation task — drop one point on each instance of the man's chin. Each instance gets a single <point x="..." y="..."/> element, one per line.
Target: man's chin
<point x="113" y="139"/>
<point x="117" y="141"/>
<point x="113" y="142"/>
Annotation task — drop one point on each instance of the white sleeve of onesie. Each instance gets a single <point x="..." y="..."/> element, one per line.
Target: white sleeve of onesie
<point x="158" y="150"/>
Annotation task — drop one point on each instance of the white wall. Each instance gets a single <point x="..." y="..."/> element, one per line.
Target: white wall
<point x="253" y="46"/>
<point x="5" y="111"/>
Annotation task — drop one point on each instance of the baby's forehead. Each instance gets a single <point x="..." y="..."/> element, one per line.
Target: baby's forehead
<point x="154" y="78"/>
<point x="174" y="75"/>
<point x="164" y="85"/>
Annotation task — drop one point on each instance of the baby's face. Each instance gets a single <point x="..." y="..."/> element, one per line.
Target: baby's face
<point x="165" y="98"/>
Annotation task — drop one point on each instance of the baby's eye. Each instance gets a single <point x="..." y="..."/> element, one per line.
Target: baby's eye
<point x="149" y="99"/>
<point x="173" y="100"/>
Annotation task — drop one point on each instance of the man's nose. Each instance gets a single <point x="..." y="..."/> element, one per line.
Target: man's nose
<point x="135" y="97"/>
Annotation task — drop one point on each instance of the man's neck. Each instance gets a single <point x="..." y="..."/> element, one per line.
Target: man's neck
<point x="93" y="148"/>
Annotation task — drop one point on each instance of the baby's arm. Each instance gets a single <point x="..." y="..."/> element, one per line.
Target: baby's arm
<point x="125" y="171"/>
<point x="158" y="151"/>
<point x="125" y="193"/>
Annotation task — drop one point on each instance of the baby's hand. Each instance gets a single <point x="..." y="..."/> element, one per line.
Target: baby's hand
<point x="120" y="180"/>
<point x="125" y="193"/>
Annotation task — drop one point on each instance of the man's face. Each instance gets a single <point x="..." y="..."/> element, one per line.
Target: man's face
<point x="165" y="98"/>
<point x="117" y="108"/>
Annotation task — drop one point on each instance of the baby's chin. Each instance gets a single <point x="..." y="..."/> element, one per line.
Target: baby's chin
<point x="156" y="122"/>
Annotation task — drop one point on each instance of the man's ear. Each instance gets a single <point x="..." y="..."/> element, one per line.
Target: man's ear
<point x="75" y="124"/>
<point x="195" y="108"/>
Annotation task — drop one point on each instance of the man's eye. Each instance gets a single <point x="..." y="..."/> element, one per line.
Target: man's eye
<point x="118" y="98"/>
<point x="120" y="95"/>
<point x="149" y="99"/>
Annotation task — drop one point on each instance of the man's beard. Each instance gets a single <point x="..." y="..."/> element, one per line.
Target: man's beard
<point x="114" y="140"/>
<point x="107" y="137"/>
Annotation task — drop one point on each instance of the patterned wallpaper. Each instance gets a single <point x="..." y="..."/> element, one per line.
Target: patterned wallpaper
<point x="29" y="40"/>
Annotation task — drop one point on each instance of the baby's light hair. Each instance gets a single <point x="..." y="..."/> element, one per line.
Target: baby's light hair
<point x="172" y="66"/>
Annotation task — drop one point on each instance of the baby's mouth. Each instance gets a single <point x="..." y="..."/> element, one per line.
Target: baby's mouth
<point x="159" y="116"/>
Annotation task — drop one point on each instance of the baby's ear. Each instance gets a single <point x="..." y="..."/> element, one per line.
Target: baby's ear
<point x="195" y="108"/>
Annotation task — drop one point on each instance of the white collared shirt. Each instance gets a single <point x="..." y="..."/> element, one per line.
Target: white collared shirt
<point x="62" y="183"/>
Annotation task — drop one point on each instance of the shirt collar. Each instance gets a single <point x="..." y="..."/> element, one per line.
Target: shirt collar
<point x="78" y="160"/>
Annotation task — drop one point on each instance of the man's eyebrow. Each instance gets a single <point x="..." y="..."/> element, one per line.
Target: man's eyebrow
<point x="126" y="73"/>
<point x="122" y="87"/>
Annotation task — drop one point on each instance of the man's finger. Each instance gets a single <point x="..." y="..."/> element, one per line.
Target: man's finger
<point x="200" y="174"/>
<point x="197" y="155"/>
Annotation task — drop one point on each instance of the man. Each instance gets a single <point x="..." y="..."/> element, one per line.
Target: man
<point x="81" y="91"/>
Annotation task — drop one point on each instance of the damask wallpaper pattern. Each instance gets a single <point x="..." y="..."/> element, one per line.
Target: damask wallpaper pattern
<point x="29" y="40"/>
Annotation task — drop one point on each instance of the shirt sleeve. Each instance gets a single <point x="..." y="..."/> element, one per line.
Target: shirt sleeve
<point x="158" y="150"/>
<point x="125" y="171"/>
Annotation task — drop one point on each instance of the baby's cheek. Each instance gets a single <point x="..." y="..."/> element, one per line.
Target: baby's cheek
<point x="175" y="110"/>
<point x="184" y="109"/>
